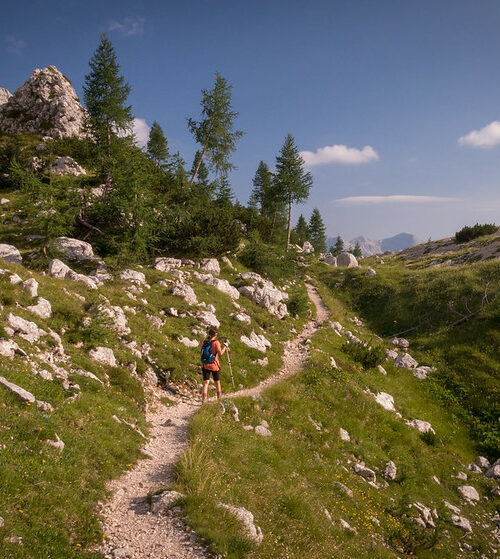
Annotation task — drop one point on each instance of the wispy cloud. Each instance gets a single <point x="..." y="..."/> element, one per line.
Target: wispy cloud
<point x="14" y="46"/>
<point x="339" y="153"/>
<point x="486" y="137"/>
<point x="128" y="26"/>
<point x="394" y="199"/>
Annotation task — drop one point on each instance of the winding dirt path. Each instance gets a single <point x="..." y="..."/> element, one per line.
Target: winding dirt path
<point x="131" y="531"/>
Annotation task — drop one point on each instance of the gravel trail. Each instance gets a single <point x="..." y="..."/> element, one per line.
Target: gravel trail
<point x="131" y="531"/>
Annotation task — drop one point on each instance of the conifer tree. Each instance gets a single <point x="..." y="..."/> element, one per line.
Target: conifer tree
<point x="157" y="147"/>
<point x="302" y="230"/>
<point x="317" y="231"/>
<point x="356" y="251"/>
<point x="339" y="246"/>
<point x="214" y="132"/>
<point x="202" y="173"/>
<point x="292" y="181"/>
<point x="224" y="191"/>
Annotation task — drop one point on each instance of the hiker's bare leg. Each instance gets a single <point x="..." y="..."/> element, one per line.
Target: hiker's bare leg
<point x="204" y="396"/>
<point x="219" y="389"/>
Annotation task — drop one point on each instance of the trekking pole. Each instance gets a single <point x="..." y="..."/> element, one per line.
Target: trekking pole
<point x="230" y="368"/>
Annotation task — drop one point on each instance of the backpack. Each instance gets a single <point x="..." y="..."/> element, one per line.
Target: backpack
<point x="206" y="352"/>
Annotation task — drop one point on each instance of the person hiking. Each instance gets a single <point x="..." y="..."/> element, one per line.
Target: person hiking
<point x="211" y="352"/>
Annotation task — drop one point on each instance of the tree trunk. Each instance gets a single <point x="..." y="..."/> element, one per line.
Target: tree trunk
<point x="198" y="165"/>
<point x="289" y="222"/>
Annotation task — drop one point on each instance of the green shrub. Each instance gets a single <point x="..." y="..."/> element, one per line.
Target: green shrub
<point x="468" y="233"/>
<point x="267" y="260"/>
<point x="368" y="356"/>
<point x="298" y="303"/>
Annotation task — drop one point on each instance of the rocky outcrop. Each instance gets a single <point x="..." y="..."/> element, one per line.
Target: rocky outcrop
<point x="186" y="292"/>
<point x="25" y="329"/>
<point x="265" y="294"/>
<point x="307" y="248"/>
<point x="67" y="166"/>
<point x="5" y="95"/>
<point x="103" y="355"/>
<point x="46" y="104"/>
<point x="256" y="341"/>
<point x="10" y="253"/>
<point x="58" y="269"/>
<point x="210" y="265"/>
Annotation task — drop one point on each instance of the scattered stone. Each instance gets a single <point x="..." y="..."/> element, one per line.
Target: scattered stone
<point x="366" y="473"/>
<point x="346" y="260"/>
<point x="58" y="269"/>
<point x="103" y="355"/>
<point x="4" y="201"/>
<point x="122" y="553"/>
<point x="391" y="354"/>
<point x="248" y="521"/>
<point x="400" y="342"/>
<point x="2" y="522"/>
<point x="405" y="361"/>
<point x="495" y="491"/>
<point x="235" y="413"/>
<point x="222" y="285"/>
<point x="116" y="317"/>
<point x="31" y="286"/>
<point x="337" y="326"/>
<point x="18" y="391"/>
<point x="346" y="526"/>
<point x="462" y="475"/>
<point x="343" y="488"/>
<point x="186" y="292"/>
<point x="133" y="276"/>
<point x="42" y="308"/>
<point x="390" y="471"/>
<point x="435" y="479"/>
<point x="385" y="400"/>
<point x="453" y="508"/>
<point x="462" y="523"/>
<point x="67" y="166"/>
<point x="25" y="329"/>
<point x="483" y="462"/>
<point x="242" y="317"/>
<point x="425" y="515"/>
<point x="248" y="427"/>
<point x="165" y="501"/>
<point x="420" y="373"/>
<point x="328" y="515"/>
<point x="331" y="260"/>
<point x="189" y="343"/>
<point x="333" y="363"/>
<point x="210" y="265"/>
<point x="468" y="492"/>
<point x="165" y="264"/>
<point x="493" y="471"/>
<point x="10" y="254"/>
<point x="262" y="431"/>
<point x="8" y="348"/>
<point x="264" y="362"/>
<point x="370" y="272"/>
<point x="226" y="260"/>
<point x="73" y="249"/>
<point x="256" y="341"/>
<point x="344" y="435"/>
<point x="208" y="319"/>
<point x="307" y="248"/>
<point x="381" y="370"/>
<point x="58" y="443"/>
<point x="422" y="426"/>
<point x="15" y="279"/>
<point x="265" y="294"/>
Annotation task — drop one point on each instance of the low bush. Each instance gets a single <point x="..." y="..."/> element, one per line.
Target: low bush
<point x="368" y="356"/>
<point x="468" y="233"/>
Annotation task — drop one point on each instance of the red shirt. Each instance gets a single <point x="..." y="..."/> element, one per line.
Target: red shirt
<point x="215" y="366"/>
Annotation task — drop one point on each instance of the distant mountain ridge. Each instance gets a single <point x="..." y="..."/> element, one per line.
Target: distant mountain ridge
<point x="370" y="247"/>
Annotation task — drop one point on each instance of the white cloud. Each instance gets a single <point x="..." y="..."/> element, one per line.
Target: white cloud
<point x="486" y="137"/>
<point x="394" y="199"/>
<point x="128" y="26"/>
<point x="339" y="154"/>
<point x="14" y="46"/>
<point x="141" y="130"/>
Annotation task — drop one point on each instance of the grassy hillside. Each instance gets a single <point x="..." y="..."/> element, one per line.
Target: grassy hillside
<point x="289" y="479"/>
<point x="426" y="305"/>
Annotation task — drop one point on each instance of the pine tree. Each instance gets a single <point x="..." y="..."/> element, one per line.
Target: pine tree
<point x="317" y="231"/>
<point x="302" y="230"/>
<point x="157" y="147"/>
<point x="214" y="132"/>
<point x="224" y="192"/>
<point x="267" y="196"/>
<point x="292" y="181"/>
<point x="356" y="251"/>
<point x="339" y="246"/>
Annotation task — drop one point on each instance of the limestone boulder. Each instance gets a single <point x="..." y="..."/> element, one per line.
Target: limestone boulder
<point x="103" y="355"/>
<point x="31" y="286"/>
<point x="10" y="254"/>
<point x="331" y="260"/>
<point x="166" y="264"/>
<point x="25" y="329"/>
<point x="247" y="519"/>
<point x="385" y="400"/>
<point x="370" y="272"/>
<point x="242" y="317"/>
<point x="117" y="318"/>
<point x="222" y="285"/>
<point x="58" y="269"/>
<point x="24" y="395"/>
<point x="390" y="471"/>
<point x="133" y="276"/>
<point x="208" y="319"/>
<point x="73" y="249"/>
<point x="462" y="523"/>
<point x="346" y="260"/>
<point x="189" y="343"/>
<point x="43" y="308"/>
<point x="210" y="265"/>
<point x="419" y="425"/>
<point x="405" y="361"/>
<point x="256" y="341"/>
<point x="67" y="166"/>
<point x="9" y="348"/>
<point x="468" y="492"/>
<point x="265" y="294"/>
<point x="307" y="248"/>
<point x="186" y="292"/>
<point x="493" y="471"/>
<point x="366" y="473"/>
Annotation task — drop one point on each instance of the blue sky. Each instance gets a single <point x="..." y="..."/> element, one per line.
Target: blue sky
<point x="395" y="103"/>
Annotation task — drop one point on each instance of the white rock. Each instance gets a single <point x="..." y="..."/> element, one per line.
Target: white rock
<point x="425" y="514"/>
<point x="422" y="426"/>
<point x="165" y="501"/>
<point x="470" y="493"/>
<point x="117" y="318"/>
<point x="307" y="248"/>
<point x="333" y="363"/>
<point x="58" y="269"/>
<point x="344" y="435"/>
<point x="248" y="521"/>
<point x="390" y="471"/>
<point x="346" y="260"/>
<point x="370" y="272"/>
<point x="381" y="370"/>
<point x="15" y="279"/>
<point x="391" y="354"/>
<point x="31" y="286"/>
<point x="103" y="355"/>
<point x="226" y="260"/>
<point x="495" y="491"/>
<point x="331" y="260"/>
<point x="265" y="294"/>
<point x="256" y="341"/>
<point x="474" y="468"/>
<point x="8" y="348"/>
<point x="186" y="292"/>
<point x="262" y="431"/>
<point x="73" y="249"/>
<point x="337" y="326"/>
<point x="189" y="343"/>
<point x="462" y="523"/>
<point x="453" y="508"/>
<point x="25" y="329"/>
<point x="385" y="400"/>
<point x="17" y="391"/>
<point x="242" y="317"/>
<point x="208" y="319"/>
<point x="210" y="265"/>
<point x="10" y="254"/>
<point x="493" y="471"/>
<point x="43" y="308"/>
<point x="58" y="443"/>
<point x="405" y="361"/>
<point x="346" y="526"/>
<point x="482" y="462"/>
<point x="67" y="166"/>
<point x="344" y="488"/>
<point x="366" y="473"/>
<point x="133" y="276"/>
<point x="420" y="373"/>
<point x="165" y="264"/>
<point x="224" y="286"/>
<point x="400" y="342"/>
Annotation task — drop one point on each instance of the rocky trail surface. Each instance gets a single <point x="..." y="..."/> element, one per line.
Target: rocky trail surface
<point x="131" y="530"/>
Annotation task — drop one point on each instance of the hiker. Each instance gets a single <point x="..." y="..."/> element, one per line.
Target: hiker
<point x="211" y="351"/>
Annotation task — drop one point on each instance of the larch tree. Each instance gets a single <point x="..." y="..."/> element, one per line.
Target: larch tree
<point x="157" y="146"/>
<point x="215" y="131"/>
<point x="293" y="182"/>
<point x="317" y="231"/>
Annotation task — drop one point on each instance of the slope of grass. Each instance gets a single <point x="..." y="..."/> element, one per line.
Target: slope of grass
<point x="288" y="479"/>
